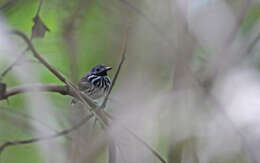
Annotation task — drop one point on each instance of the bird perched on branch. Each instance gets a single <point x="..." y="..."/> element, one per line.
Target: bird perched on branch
<point x="95" y="83"/>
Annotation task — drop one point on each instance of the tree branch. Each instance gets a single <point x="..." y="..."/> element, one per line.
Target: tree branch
<point x="39" y="87"/>
<point x="10" y="67"/>
<point x="252" y="44"/>
<point x="155" y="26"/>
<point x="69" y="38"/>
<point x="16" y="113"/>
<point x="39" y="8"/>
<point x="37" y="56"/>
<point x="123" y="53"/>
<point x="37" y="139"/>
<point x="76" y="92"/>
<point x="153" y="151"/>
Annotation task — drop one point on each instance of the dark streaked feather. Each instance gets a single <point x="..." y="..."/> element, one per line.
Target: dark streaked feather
<point x="96" y="83"/>
<point x="95" y="86"/>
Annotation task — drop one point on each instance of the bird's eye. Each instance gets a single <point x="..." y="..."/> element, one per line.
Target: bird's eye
<point x="97" y="69"/>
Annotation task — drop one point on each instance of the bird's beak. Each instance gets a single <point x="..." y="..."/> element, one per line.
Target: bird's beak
<point x="108" y="68"/>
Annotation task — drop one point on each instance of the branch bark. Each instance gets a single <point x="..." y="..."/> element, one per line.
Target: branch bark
<point x="39" y="87"/>
<point x="37" y="139"/>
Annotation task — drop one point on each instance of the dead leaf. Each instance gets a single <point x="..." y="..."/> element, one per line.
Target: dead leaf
<point x="39" y="28"/>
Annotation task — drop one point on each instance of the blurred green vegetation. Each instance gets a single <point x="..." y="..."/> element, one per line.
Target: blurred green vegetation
<point x="92" y="34"/>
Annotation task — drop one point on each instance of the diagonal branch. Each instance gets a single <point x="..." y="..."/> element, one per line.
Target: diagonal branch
<point x="155" y="26"/>
<point x="69" y="38"/>
<point x="252" y="44"/>
<point x="16" y="113"/>
<point x="10" y="67"/>
<point x="76" y="92"/>
<point x="39" y="8"/>
<point x="153" y="151"/>
<point x="124" y="49"/>
<point x="37" y="56"/>
<point x="38" y="139"/>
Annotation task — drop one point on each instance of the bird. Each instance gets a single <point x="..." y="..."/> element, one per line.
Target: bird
<point x="96" y="83"/>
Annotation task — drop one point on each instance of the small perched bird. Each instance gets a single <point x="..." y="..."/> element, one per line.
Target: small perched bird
<point x="95" y="83"/>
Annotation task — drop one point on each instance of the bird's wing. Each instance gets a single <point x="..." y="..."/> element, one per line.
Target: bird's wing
<point x="84" y="84"/>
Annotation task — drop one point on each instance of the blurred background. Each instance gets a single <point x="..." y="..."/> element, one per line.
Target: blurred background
<point x="189" y="87"/>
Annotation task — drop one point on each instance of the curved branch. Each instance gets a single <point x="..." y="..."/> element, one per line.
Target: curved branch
<point x="37" y="139"/>
<point x="39" y="87"/>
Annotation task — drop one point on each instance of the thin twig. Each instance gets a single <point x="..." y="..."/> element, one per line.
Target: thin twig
<point x="69" y="38"/>
<point x="153" y="25"/>
<point x="123" y="55"/>
<point x="154" y="152"/>
<point x="25" y="116"/>
<point x="38" y="139"/>
<point x="214" y="68"/>
<point x="39" y="8"/>
<point x="10" y="67"/>
<point x="252" y="44"/>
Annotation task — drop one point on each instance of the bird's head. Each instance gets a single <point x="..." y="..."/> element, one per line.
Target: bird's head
<point x="100" y="70"/>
